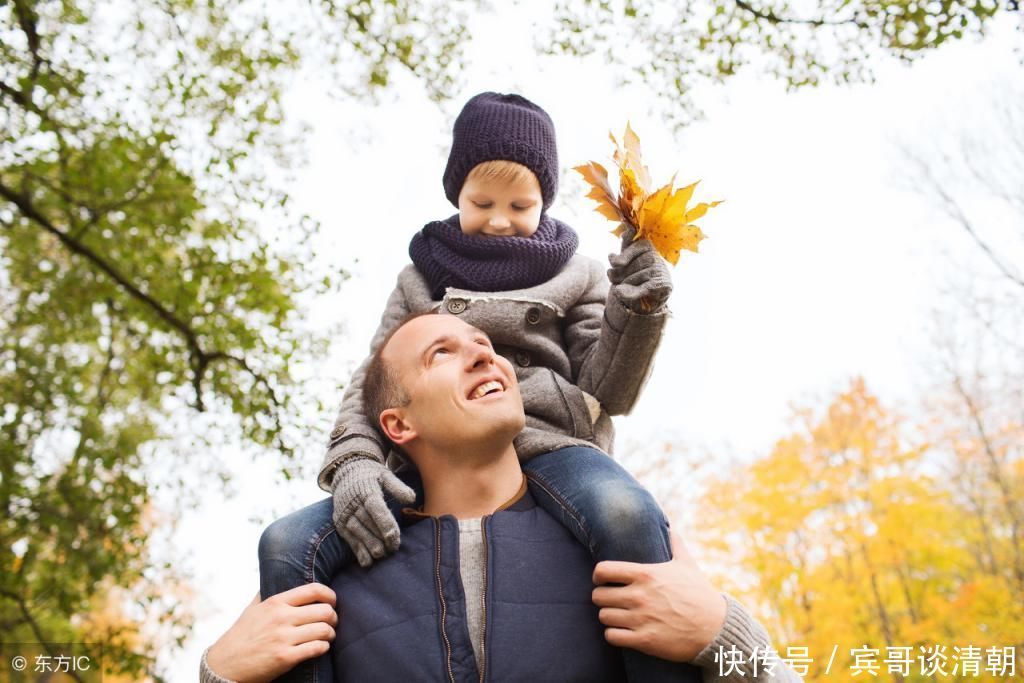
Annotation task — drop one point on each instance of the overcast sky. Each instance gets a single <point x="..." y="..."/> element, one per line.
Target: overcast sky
<point x="820" y="266"/>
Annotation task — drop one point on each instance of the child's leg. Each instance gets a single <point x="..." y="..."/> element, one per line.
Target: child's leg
<point x="601" y="503"/>
<point x="304" y="547"/>
<point x="301" y="548"/>
<point x="615" y="518"/>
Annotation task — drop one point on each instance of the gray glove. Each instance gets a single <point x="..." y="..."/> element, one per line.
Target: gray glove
<point x="640" y="276"/>
<point x="361" y="516"/>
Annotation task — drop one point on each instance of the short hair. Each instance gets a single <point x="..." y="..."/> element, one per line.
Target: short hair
<point x="501" y="170"/>
<point x="382" y="388"/>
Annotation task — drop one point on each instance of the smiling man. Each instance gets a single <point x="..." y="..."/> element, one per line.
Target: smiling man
<point x="486" y="585"/>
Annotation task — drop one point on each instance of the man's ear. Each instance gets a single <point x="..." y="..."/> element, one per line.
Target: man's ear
<point x="395" y="426"/>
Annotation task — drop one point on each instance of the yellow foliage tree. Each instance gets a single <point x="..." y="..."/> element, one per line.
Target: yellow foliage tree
<point x="854" y="546"/>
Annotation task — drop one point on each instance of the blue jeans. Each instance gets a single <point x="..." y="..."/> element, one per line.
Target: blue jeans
<point x="604" y="507"/>
<point x="615" y="518"/>
<point x="304" y="547"/>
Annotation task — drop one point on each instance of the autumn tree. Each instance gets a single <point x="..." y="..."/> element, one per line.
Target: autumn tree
<point x="137" y="288"/>
<point x="969" y="178"/>
<point x="153" y="274"/>
<point x="847" y="536"/>
<point x="675" y="47"/>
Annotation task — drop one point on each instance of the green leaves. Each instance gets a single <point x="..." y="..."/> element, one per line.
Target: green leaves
<point x="137" y="288"/>
<point x="671" y="47"/>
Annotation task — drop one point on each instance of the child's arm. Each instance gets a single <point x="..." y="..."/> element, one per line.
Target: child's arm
<point x="611" y="341"/>
<point x="354" y="469"/>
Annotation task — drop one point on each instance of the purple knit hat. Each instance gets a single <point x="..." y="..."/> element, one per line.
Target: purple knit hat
<point x="493" y="126"/>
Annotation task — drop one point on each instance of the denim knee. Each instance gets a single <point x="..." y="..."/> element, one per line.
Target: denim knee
<point x="625" y="523"/>
<point x="282" y="539"/>
<point x="292" y="535"/>
<point x="624" y="510"/>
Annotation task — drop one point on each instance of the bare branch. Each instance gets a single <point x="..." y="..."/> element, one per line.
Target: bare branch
<point x="991" y="182"/>
<point x="955" y="212"/>
<point x="772" y="18"/>
<point x="997" y="477"/>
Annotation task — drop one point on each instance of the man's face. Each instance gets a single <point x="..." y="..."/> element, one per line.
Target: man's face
<point x="462" y="395"/>
<point x="500" y="208"/>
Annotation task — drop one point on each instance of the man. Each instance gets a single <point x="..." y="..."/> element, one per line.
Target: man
<point x="485" y="584"/>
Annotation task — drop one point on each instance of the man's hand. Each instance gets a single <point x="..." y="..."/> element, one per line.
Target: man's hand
<point x="639" y="275"/>
<point x="273" y="636"/>
<point x="361" y="515"/>
<point x="668" y="610"/>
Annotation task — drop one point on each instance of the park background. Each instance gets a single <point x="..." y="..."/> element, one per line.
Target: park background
<point x="203" y="207"/>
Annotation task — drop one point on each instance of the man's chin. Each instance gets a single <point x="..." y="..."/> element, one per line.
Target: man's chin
<point x="496" y="433"/>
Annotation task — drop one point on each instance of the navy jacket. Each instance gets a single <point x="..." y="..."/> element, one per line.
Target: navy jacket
<point x="404" y="619"/>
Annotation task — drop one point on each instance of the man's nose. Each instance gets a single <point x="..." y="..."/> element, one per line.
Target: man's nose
<point x="479" y="355"/>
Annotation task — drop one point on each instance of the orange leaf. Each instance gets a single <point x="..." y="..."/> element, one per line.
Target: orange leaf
<point x="665" y="217"/>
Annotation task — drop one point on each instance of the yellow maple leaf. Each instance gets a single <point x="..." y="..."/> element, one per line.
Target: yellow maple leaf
<point x="664" y="216"/>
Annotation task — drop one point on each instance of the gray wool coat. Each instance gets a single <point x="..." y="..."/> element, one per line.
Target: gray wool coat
<point x="580" y="356"/>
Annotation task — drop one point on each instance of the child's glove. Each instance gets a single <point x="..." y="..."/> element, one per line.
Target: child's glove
<point x="360" y="514"/>
<point x="639" y="275"/>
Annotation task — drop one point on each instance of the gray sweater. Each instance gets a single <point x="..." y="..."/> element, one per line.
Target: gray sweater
<point x="580" y="356"/>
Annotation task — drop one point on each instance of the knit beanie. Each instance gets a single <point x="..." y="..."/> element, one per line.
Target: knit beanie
<point x="493" y="126"/>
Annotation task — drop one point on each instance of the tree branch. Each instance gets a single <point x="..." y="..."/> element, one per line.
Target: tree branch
<point x="27" y="21"/>
<point x="772" y="18"/>
<point x="130" y="197"/>
<point x="997" y="477"/>
<point x="991" y="182"/>
<point x="199" y="359"/>
<point x="36" y="630"/>
<point x="101" y="394"/>
<point x="26" y="207"/>
<point x="75" y="246"/>
<point x="957" y="214"/>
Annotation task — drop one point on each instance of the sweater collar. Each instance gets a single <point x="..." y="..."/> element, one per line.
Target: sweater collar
<point x="516" y="502"/>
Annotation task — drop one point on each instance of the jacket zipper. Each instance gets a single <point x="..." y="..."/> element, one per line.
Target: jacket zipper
<point x="483" y="600"/>
<point x="440" y="594"/>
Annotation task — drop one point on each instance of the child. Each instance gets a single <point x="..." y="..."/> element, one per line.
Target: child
<point x="582" y="352"/>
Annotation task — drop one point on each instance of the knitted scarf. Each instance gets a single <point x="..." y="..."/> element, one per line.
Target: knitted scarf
<point x="447" y="257"/>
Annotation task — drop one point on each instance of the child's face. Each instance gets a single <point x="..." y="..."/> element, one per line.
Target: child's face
<point x="500" y="208"/>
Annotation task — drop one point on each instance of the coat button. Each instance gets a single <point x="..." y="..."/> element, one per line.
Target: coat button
<point x="533" y="315"/>
<point x="522" y="358"/>
<point x="456" y="306"/>
<point x="337" y="431"/>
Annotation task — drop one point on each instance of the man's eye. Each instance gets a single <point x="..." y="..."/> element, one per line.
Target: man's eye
<point x="482" y="206"/>
<point x="438" y="350"/>
<point x="521" y="208"/>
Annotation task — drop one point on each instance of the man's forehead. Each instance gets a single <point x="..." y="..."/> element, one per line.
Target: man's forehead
<point x="416" y="335"/>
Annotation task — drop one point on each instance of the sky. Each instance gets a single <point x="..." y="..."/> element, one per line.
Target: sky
<point x="824" y="262"/>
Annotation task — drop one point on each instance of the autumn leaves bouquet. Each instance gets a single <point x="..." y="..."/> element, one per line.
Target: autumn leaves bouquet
<point x="663" y="216"/>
